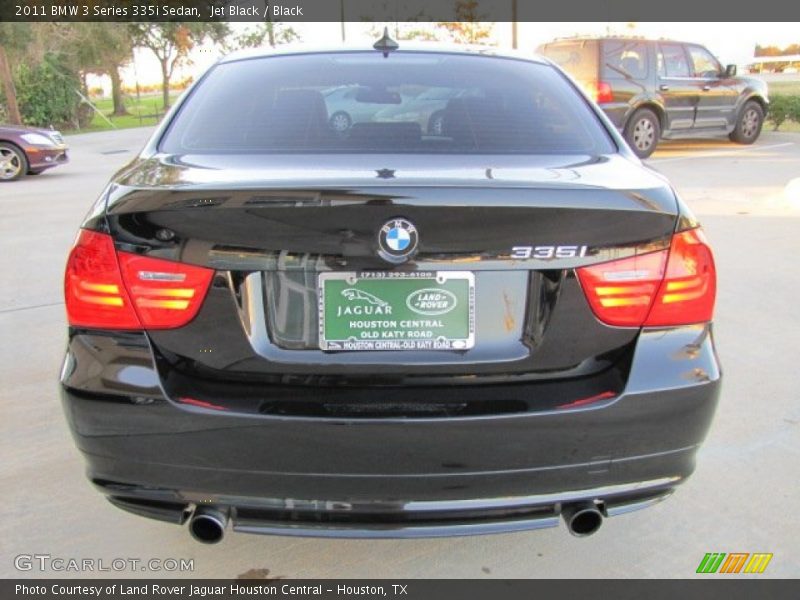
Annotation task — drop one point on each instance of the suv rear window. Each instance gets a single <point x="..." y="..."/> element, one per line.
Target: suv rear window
<point x="578" y="58"/>
<point x="361" y="102"/>
<point x="624" y="59"/>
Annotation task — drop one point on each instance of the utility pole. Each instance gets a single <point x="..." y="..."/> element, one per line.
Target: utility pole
<point x="514" y="44"/>
<point x="341" y="17"/>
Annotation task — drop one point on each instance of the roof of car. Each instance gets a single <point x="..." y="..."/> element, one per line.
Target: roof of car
<point x="405" y="46"/>
<point x="613" y="38"/>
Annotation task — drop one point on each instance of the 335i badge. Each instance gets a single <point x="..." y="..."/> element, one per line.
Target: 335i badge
<point x="509" y="325"/>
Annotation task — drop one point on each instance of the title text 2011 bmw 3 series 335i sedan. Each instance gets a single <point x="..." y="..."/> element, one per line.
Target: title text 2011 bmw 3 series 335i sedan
<point x="383" y="330"/>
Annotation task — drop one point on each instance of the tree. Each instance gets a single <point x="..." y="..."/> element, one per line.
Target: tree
<point x="101" y="48"/>
<point x="9" y="88"/>
<point x="172" y="42"/>
<point x="46" y="91"/>
<point x="105" y="48"/>
<point x="775" y="51"/>
<point x="470" y="28"/>
<point x="411" y="30"/>
<point x="13" y="36"/>
<point x="419" y="33"/>
<point x="274" y="33"/>
<point x="413" y="26"/>
<point x="767" y="51"/>
<point x="42" y="64"/>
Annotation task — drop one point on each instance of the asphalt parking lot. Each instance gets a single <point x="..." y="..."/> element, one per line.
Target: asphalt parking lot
<point x="742" y="498"/>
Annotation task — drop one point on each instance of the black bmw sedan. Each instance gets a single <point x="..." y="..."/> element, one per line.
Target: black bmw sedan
<point x="384" y="330"/>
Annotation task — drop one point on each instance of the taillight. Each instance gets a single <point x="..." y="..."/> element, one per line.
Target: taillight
<point x="604" y="92"/>
<point x="166" y="294"/>
<point x="621" y="292"/>
<point x="689" y="289"/>
<point x="120" y="290"/>
<point x="94" y="293"/>
<point x="665" y="288"/>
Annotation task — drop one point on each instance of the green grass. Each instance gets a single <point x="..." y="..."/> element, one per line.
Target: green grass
<point x="146" y="111"/>
<point x="790" y="126"/>
<point x="786" y="88"/>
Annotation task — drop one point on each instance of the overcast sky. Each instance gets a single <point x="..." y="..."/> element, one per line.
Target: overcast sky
<point x="731" y="42"/>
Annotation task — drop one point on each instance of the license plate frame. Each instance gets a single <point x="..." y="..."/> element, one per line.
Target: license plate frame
<point x="427" y="310"/>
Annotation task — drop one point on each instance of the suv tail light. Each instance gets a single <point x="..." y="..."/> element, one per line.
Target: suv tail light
<point x="665" y="288"/>
<point x="107" y="289"/>
<point x="603" y="93"/>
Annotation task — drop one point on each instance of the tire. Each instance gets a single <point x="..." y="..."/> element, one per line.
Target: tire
<point x="340" y="122"/>
<point x="749" y="124"/>
<point x="13" y="162"/>
<point x="436" y="123"/>
<point x="643" y="132"/>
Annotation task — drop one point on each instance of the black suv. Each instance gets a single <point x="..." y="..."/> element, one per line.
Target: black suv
<point x="663" y="89"/>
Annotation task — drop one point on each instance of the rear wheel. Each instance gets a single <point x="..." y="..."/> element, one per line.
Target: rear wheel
<point x="13" y="163"/>
<point x="748" y="126"/>
<point x="643" y="132"/>
<point x="340" y="122"/>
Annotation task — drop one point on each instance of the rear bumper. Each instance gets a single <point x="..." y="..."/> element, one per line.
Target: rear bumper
<point x="392" y="519"/>
<point x="389" y="477"/>
<point x="617" y="112"/>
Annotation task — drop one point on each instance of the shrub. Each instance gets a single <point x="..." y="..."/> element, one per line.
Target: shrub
<point x="46" y="93"/>
<point x="181" y="85"/>
<point x="783" y="108"/>
<point x="155" y="88"/>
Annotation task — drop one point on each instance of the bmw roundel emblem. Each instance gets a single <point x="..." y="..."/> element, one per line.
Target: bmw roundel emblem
<point x="397" y="240"/>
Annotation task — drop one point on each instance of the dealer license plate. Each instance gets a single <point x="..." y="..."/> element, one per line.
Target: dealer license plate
<point x="388" y="310"/>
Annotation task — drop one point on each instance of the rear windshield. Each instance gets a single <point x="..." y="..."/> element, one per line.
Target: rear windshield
<point x="578" y="58"/>
<point x="364" y="103"/>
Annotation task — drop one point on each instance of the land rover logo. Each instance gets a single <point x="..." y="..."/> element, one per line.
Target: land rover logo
<point x="397" y="240"/>
<point x="431" y="301"/>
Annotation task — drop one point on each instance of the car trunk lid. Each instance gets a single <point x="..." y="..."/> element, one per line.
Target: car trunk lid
<point x="519" y="224"/>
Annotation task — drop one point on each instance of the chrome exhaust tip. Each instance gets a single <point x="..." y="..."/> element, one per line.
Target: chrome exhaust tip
<point x="582" y="519"/>
<point x="207" y="524"/>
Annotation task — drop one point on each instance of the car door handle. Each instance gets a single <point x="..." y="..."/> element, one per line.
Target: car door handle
<point x="664" y="87"/>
